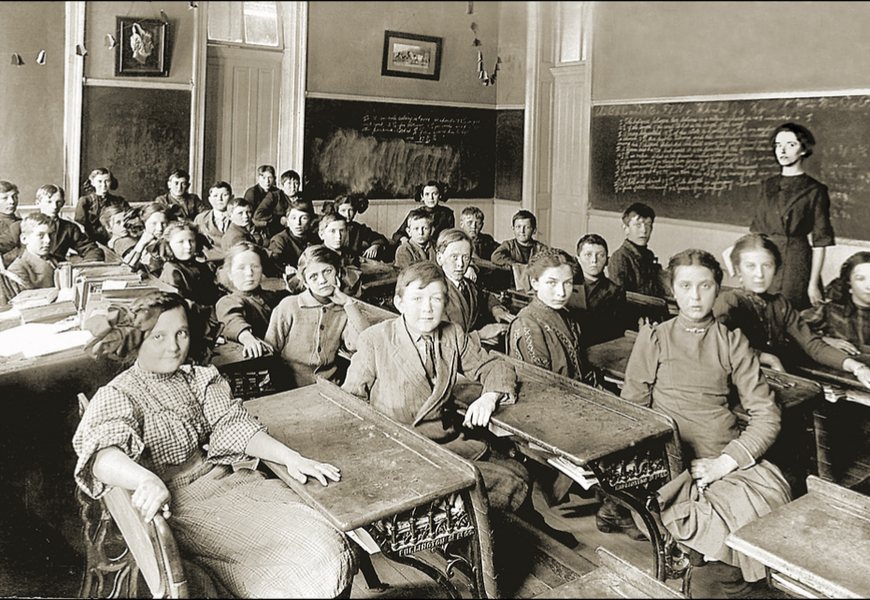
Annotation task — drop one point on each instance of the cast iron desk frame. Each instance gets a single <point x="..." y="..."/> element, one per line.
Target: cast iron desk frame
<point x="593" y="429"/>
<point x="387" y="470"/>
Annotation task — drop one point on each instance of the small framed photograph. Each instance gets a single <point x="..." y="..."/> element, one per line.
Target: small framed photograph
<point x="142" y="50"/>
<point x="411" y="55"/>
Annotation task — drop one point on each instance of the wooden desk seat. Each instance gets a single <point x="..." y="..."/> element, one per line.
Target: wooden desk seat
<point x="816" y="546"/>
<point x="615" y="578"/>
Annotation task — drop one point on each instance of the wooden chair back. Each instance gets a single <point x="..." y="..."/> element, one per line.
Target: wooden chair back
<point x="152" y="544"/>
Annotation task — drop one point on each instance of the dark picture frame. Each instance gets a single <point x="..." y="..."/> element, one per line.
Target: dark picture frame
<point x="150" y="57"/>
<point x="411" y="55"/>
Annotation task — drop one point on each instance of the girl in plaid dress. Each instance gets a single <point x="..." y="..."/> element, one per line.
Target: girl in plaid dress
<point x="173" y="434"/>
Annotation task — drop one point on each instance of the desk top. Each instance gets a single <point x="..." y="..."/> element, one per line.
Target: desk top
<point x="385" y="468"/>
<point x="571" y="419"/>
<point x="821" y="540"/>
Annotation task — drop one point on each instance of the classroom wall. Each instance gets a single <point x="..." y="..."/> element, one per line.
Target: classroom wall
<point x="31" y="95"/>
<point x="673" y="49"/>
<point x="100" y="19"/>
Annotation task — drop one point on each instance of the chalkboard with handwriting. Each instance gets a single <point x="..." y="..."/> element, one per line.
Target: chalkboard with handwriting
<point x="704" y="160"/>
<point x="385" y="150"/>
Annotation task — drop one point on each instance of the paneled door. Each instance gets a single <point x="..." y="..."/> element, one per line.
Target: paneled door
<point x="241" y="111"/>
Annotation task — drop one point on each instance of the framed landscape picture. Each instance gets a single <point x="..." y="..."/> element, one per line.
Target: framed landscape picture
<point x="411" y="55"/>
<point x="142" y="50"/>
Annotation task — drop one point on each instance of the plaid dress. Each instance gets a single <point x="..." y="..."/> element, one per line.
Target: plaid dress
<point x="254" y="536"/>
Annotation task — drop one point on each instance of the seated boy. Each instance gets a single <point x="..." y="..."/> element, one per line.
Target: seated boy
<point x="35" y="268"/>
<point x="180" y="203"/>
<point x="265" y="185"/>
<point x="633" y="265"/>
<point x="471" y="222"/>
<point x="597" y="302"/>
<point x="272" y="211"/>
<point x="406" y="368"/>
<point x="286" y="247"/>
<point x="522" y="247"/>
<point x="418" y="246"/>
<point x="332" y="230"/>
<point x="66" y="236"/>
<point x="8" y="216"/>
<point x="466" y="304"/>
<point x="214" y="223"/>
<point x="241" y="227"/>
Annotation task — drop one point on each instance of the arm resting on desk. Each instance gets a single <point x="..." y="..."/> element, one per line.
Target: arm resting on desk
<point x="264" y="446"/>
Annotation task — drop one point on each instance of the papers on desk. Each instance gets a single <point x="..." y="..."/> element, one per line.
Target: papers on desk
<point x="582" y="476"/>
<point x="850" y="395"/>
<point x="40" y="339"/>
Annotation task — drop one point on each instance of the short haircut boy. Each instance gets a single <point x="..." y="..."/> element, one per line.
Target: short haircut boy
<point x="472" y="211"/>
<point x="524" y="214"/>
<point x="297" y="205"/>
<point x="234" y="202"/>
<point x="424" y="272"/>
<point x="593" y="239"/>
<point x="638" y="209"/>
<point x="420" y="213"/>
<point x="448" y="236"/>
<point x="290" y="176"/>
<point x="328" y="218"/>
<point x="217" y="185"/>
<point x="265" y="169"/>
<point x="32" y="220"/>
<point x="180" y="174"/>
<point x="48" y="190"/>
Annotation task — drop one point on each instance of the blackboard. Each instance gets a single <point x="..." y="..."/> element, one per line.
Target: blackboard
<point x="141" y="135"/>
<point x="509" y="155"/>
<point x="704" y="160"/>
<point x="385" y="150"/>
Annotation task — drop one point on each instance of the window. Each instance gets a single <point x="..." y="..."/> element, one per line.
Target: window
<point x="254" y="23"/>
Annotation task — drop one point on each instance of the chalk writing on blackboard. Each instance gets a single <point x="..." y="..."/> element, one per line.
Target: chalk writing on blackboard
<point x="422" y="129"/>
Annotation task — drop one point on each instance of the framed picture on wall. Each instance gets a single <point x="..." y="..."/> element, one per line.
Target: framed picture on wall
<point x="142" y="48"/>
<point x="411" y="55"/>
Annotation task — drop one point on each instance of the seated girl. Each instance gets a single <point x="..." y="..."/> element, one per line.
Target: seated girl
<point x="544" y="333"/>
<point x="360" y="238"/>
<point x="97" y="197"/>
<point x="246" y="311"/>
<point x="686" y="368"/>
<point x="432" y="195"/>
<point x="117" y="220"/>
<point x="193" y="278"/>
<point x="145" y="253"/>
<point x="774" y="329"/>
<point x="8" y="217"/>
<point x="308" y="329"/>
<point x="172" y="434"/>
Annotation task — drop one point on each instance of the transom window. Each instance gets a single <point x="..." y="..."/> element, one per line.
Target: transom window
<point x="254" y="23"/>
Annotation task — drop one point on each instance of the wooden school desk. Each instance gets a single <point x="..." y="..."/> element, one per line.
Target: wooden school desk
<point x="406" y="492"/>
<point x="630" y="449"/>
<point x="816" y="546"/>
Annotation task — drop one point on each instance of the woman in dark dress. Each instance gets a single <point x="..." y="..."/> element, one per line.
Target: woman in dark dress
<point x="791" y="206"/>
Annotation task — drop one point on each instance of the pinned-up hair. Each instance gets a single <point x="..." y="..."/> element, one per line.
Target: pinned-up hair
<point x="442" y="190"/>
<point x="424" y="272"/>
<point x="695" y="257"/>
<point x="549" y="258"/>
<point x="859" y="258"/>
<point x="755" y="241"/>
<point x="804" y="137"/>
<point x="237" y="250"/>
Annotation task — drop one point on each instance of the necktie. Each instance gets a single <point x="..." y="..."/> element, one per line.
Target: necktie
<point x="466" y="293"/>
<point x="429" y="356"/>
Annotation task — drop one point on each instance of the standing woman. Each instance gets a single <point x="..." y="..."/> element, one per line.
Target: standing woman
<point x="791" y="206"/>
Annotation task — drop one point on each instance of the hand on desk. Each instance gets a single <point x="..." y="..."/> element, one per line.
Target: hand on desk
<point x="371" y="251"/>
<point x="707" y="470"/>
<point x="771" y="361"/>
<point x="301" y="468"/>
<point x="492" y="332"/>
<point x="253" y="347"/>
<point x="481" y="410"/>
<point x="843" y="345"/>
